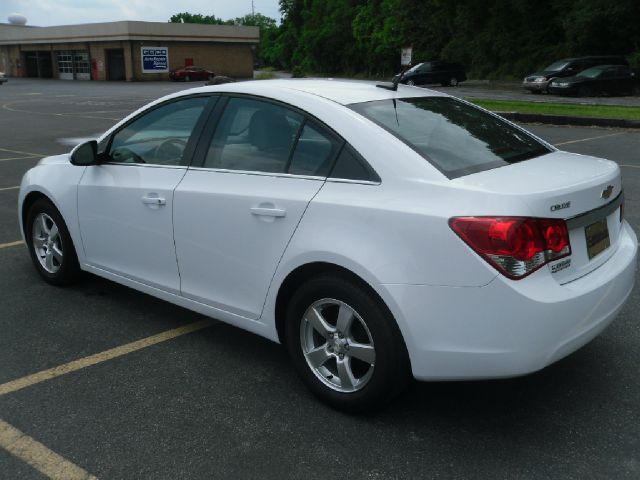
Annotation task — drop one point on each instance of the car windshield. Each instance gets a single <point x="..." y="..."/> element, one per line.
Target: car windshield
<point x="590" y="72"/>
<point x="557" y="66"/>
<point x="415" y="67"/>
<point x="456" y="137"/>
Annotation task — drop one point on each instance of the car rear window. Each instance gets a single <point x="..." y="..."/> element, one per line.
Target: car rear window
<point x="454" y="136"/>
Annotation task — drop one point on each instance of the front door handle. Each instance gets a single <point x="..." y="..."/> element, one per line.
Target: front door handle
<point x="153" y="199"/>
<point x="268" y="211"/>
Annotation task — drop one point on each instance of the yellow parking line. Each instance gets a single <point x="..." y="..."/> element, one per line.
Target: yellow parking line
<point x="20" y="158"/>
<point x="31" y="154"/>
<point x="11" y="244"/>
<point x="38" y="456"/>
<point x="74" y="365"/>
<point x="3" y="189"/>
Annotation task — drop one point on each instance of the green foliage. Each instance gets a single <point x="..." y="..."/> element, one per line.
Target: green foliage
<point x="187" y="17"/>
<point x="492" y="38"/>
<point x="265" y="76"/>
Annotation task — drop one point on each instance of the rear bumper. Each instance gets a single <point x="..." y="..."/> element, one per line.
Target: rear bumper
<point x="510" y="328"/>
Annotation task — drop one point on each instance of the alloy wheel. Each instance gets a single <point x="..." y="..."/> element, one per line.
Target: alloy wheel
<point x="47" y="242"/>
<point x="337" y="345"/>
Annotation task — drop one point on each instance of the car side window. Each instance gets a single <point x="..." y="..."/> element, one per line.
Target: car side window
<point x="350" y="166"/>
<point x="160" y="136"/>
<point x="253" y="135"/>
<point x="314" y="152"/>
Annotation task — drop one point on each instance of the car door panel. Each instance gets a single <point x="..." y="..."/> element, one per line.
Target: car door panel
<point x="231" y="229"/>
<point x="125" y="206"/>
<point x="125" y="215"/>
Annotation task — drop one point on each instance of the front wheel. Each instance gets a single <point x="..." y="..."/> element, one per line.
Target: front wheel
<point x="187" y="78"/>
<point x="50" y="244"/>
<point x="411" y="83"/>
<point x="453" y="82"/>
<point x="345" y="346"/>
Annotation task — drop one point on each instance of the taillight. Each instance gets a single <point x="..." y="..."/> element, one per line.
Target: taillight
<point x="515" y="246"/>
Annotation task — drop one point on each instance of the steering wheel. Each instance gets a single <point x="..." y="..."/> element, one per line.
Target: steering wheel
<point x="170" y="149"/>
<point x="125" y="155"/>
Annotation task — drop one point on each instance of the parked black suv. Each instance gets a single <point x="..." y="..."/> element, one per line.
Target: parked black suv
<point x="568" y="67"/>
<point x="444" y="73"/>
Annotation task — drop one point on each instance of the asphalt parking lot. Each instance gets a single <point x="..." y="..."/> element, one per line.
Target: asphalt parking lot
<point x="172" y="397"/>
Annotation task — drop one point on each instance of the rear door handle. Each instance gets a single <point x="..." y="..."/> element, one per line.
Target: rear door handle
<point x="268" y="211"/>
<point x="152" y="199"/>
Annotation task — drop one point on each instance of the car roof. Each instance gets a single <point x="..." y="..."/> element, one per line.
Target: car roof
<point x="344" y="92"/>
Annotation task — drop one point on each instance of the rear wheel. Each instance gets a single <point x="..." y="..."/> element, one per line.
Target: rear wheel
<point x="344" y="345"/>
<point x="50" y="244"/>
<point x="453" y="82"/>
<point x="411" y="83"/>
<point x="187" y="78"/>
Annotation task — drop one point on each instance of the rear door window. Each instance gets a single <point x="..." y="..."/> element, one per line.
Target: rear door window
<point x="456" y="137"/>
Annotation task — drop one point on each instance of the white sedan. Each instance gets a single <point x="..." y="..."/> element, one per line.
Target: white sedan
<point x="378" y="234"/>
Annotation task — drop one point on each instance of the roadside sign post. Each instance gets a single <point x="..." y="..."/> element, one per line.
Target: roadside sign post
<point x="405" y="56"/>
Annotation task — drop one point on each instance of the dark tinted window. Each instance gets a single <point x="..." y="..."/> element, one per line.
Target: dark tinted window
<point x="254" y="136"/>
<point x="314" y="152"/>
<point x="350" y="166"/>
<point x="457" y="138"/>
<point x="160" y="136"/>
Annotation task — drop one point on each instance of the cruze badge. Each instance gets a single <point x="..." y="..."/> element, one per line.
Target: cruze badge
<point x="606" y="193"/>
<point x="560" y="206"/>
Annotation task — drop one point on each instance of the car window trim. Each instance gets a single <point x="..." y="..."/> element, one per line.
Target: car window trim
<point x="194" y="138"/>
<point x="214" y="119"/>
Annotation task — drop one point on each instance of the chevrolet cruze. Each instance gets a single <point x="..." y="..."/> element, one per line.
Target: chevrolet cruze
<point x="379" y="234"/>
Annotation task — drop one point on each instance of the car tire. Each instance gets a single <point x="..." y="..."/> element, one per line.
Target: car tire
<point x="187" y="78"/>
<point x="411" y="83"/>
<point x="321" y="341"/>
<point x="453" y="82"/>
<point x="50" y="245"/>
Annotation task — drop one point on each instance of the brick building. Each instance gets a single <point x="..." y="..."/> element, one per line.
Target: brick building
<point x="125" y="50"/>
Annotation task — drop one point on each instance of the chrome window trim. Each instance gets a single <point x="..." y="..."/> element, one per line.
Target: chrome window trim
<point x="350" y="180"/>
<point x="283" y="175"/>
<point x="146" y="165"/>
<point x="252" y="172"/>
<point x="592" y="216"/>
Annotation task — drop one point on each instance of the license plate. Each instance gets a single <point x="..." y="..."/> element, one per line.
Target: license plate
<point x="597" y="236"/>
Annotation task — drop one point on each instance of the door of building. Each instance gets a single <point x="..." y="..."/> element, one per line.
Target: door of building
<point x="115" y="64"/>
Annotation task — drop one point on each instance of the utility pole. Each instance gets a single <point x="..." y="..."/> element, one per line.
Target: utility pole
<point x="253" y="10"/>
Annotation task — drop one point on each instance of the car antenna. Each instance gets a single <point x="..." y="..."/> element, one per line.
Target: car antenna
<point x="394" y="83"/>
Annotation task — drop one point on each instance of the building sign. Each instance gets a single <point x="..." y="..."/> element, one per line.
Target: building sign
<point x="405" y="56"/>
<point x="155" y="59"/>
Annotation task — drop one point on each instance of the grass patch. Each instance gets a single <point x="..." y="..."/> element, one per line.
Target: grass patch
<point x="265" y="76"/>
<point x="566" y="109"/>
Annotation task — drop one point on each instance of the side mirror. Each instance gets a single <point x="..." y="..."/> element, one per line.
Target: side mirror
<point x="85" y="154"/>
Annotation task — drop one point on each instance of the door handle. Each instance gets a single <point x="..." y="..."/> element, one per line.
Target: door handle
<point x="268" y="211"/>
<point x="153" y="200"/>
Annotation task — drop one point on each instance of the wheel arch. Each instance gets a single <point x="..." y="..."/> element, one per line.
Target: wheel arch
<point x="29" y="200"/>
<point x="305" y="271"/>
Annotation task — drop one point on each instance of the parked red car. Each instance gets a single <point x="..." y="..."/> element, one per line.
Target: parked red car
<point x="187" y="74"/>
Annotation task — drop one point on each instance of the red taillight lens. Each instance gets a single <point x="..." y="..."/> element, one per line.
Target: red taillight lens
<point x="515" y="246"/>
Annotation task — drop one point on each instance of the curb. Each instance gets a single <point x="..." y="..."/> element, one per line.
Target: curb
<point x="565" y="120"/>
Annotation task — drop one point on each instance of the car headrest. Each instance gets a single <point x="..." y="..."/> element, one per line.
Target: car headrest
<point x="269" y="129"/>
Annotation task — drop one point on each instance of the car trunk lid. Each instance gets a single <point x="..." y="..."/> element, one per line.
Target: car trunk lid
<point x="584" y="191"/>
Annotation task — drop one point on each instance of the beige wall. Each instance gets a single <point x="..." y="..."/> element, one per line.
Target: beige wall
<point x="231" y="59"/>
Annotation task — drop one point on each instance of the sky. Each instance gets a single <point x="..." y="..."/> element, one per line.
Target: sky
<point x="65" y="12"/>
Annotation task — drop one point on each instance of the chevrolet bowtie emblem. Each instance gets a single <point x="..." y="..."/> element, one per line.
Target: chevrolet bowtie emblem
<point x="606" y="193"/>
